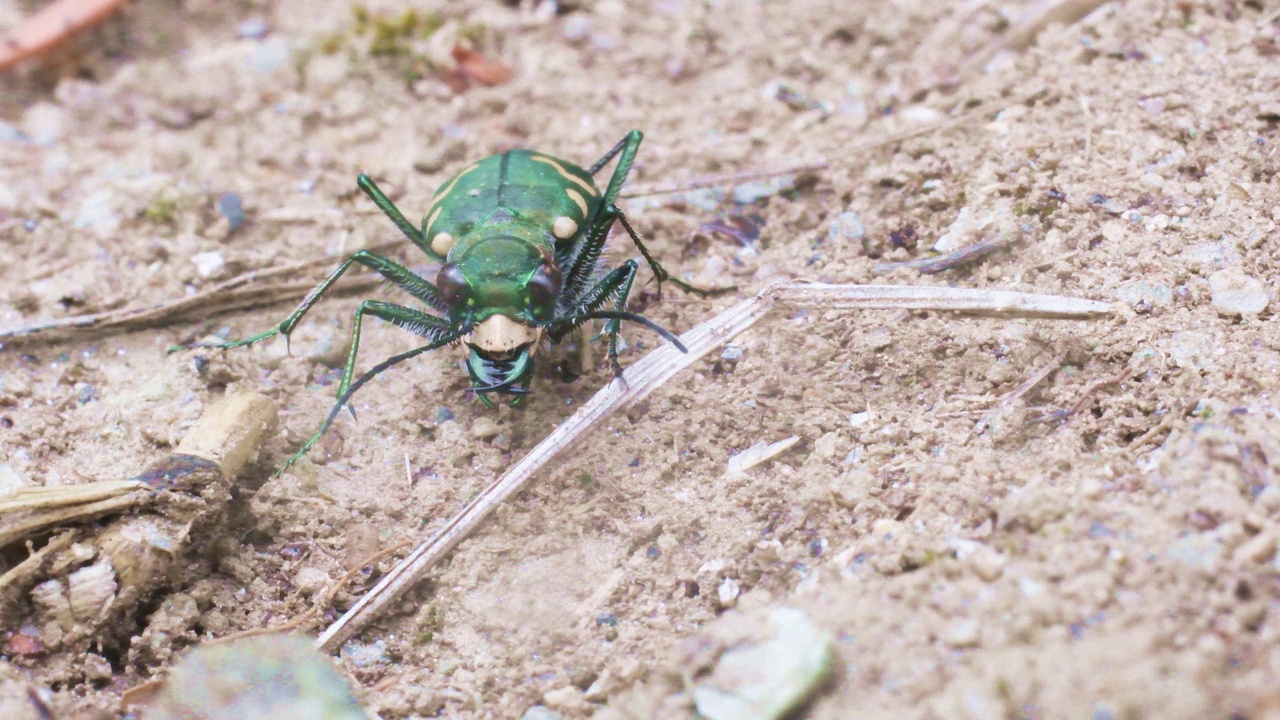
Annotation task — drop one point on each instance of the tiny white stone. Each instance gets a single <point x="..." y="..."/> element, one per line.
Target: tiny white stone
<point x="727" y="593"/>
<point x="961" y="634"/>
<point x="564" y="227"/>
<point x="1234" y="292"/>
<point x="310" y="580"/>
<point x="442" y="243"/>
<point x="208" y="263"/>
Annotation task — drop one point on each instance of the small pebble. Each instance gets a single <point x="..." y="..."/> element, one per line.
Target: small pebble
<point x="1154" y="294"/>
<point x="566" y="698"/>
<point x="1258" y="549"/>
<point x="444" y="415"/>
<point x="252" y="29"/>
<point x="97" y="212"/>
<point x="539" y="712"/>
<point x="727" y="593"/>
<point x="44" y="123"/>
<point x="607" y="619"/>
<point x="97" y="668"/>
<point x="817" y="547"/>
<point x="269" y="56"/>
<point x="262" y="678"/>
<point x="845" y="229"/>
<point x="1091" y="489"/>
<point x="576" y="27"/>
<point x="86" y="393"/>
<point x="1198" y="551"/>
<point x="208" y="263"/>
<point x="1236" y="293"/>
<point x="961" y="634"/>
<point x="231" y="207"/>
<point x="364" y="655"/>
<point x="987" y="563"/>
<point x="1191" y="348"/>
<point x="752" y="192"/>
<point x="11" y="481"/>
<point x="731" y="353"/>
<point x="768" y="679"/>
<point x="310" y="580"/>
<point x="484" y="428"/>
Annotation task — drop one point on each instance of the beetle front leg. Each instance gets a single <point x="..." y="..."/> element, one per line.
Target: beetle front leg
<point x="416" y="321"/>
<point x="397" y="274"/>
<point x="614" y="325"/>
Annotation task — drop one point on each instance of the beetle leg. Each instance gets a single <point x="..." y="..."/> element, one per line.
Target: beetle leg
<point x="659" y="272"/>
<point x="379" y="198"/>
<point x="584" y="262"/>
<point x="612" y="327"/>
<point x="397" y="274"/>
<point x="614" y="286"/>
<point x="626" y="152"/>
<point x="632" y="139"/>
<point x="433" y="328"/>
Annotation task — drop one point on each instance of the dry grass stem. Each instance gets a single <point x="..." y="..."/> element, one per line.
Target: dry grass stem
<point x="659" y="366"/>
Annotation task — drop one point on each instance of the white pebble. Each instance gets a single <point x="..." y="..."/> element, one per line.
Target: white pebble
<point x="310" y="580"/>
<point x="727" y="593"/>
<point x="961" y="634"/>
<point x="1235" y="293"/>
<point x="208" y="263"/>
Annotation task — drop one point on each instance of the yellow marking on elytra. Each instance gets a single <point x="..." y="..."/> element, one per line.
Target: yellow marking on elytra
<point x="444" y="192"/>
<point x="564" y="227"/>
<point x="442" y="243"/>
<point x="565" y="174"/>
<point x="576" y="196"/>
<point x="431" y="220"/>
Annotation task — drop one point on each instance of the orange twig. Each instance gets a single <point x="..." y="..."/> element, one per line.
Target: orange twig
<point x="52" y="26"/>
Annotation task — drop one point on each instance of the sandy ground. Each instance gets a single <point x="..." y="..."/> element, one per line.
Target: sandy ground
<point x="977" y="548"/>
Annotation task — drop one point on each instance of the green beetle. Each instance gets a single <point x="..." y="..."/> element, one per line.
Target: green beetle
<point x="520" y="235"/>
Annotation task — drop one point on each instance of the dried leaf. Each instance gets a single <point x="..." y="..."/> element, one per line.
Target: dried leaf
<point x="474" y="66"/>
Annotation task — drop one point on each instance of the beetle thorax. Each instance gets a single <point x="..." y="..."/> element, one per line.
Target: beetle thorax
<point x="499" y="335"/>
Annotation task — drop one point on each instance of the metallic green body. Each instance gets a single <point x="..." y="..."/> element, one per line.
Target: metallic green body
<point x="510" y="193"/>
<point x="520" y="236"/>
<point x="500" y="213"/>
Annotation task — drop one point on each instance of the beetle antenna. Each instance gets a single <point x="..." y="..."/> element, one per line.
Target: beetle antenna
<point x="382" y="366"/>
<point x="624" y="315"/>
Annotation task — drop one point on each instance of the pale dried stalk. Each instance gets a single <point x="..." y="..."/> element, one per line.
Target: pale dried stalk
<point x="659" y="366"/>
<point x="90" y="593"/>
<point x="1024" y="30"/>
<point x="719" y="181"/>
<point x="33" y="510"/>
<point x="246" y="290"/>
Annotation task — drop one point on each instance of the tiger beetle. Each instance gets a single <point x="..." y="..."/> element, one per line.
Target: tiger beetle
<point x="520" y="235"/>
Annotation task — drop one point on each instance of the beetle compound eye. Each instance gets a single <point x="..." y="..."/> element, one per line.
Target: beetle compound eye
<point x="452" y="285"/>
<point x="544" y="286"/>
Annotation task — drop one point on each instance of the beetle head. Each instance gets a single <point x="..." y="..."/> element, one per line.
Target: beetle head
<point x="501" y="275"/>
